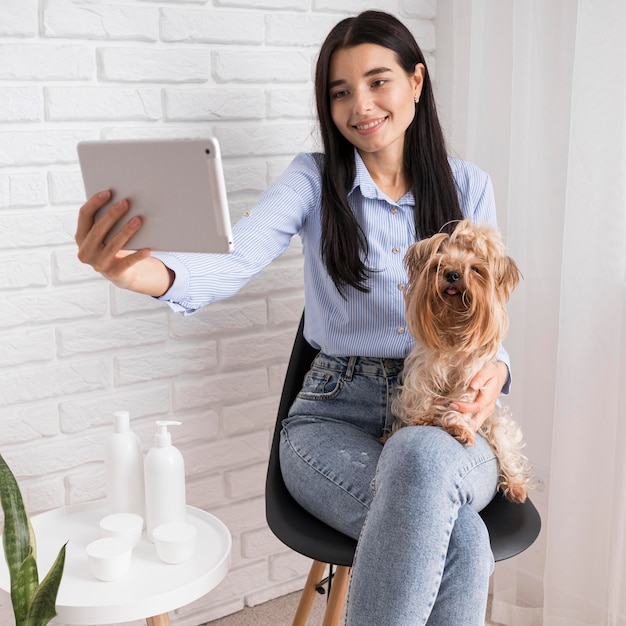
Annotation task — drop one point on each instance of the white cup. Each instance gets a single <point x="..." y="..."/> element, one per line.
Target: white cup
<point x="127" y="526"/>
<point x="175" y="542"/>
<point x="109" y="558"/>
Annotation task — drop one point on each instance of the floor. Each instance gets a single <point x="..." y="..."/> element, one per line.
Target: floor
<point x="278" y="612"/>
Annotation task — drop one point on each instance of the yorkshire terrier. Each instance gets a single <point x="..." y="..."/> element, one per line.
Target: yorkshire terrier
<point x="456" y="296"/>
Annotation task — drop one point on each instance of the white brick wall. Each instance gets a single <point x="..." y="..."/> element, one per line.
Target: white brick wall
<point x="73" y="349"/>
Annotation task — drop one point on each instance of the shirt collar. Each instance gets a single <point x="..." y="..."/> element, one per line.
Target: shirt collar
<point x="364" y="181"/>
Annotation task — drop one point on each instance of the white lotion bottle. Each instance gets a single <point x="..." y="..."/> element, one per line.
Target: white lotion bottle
<point x="123" y="467"/>
<point x="164" y="472"/>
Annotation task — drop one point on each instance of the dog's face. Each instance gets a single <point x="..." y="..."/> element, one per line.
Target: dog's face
<point x="458" y="288"/>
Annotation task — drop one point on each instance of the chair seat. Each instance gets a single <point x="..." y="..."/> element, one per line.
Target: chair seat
<point x="512" y="527"/>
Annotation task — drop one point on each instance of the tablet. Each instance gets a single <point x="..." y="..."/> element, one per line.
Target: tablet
<point x="175" y="185"/>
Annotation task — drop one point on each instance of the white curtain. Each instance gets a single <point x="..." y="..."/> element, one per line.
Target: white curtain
<point x="534" y="91"/>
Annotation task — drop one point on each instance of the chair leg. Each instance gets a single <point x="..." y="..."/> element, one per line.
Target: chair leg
<point x="337" y="599"/>
<point x="308" y="593"/>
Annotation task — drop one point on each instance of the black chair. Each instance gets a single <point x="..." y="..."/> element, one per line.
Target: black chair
<point x="512" y="527"/>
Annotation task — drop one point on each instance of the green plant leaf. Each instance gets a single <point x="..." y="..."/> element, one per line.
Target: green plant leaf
<point x="42" y="608"/>
<point x="27" y="583"/>
<point x="18" y="538"/>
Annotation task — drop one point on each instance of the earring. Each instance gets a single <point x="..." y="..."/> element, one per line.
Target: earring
<point x="416" y="98"/>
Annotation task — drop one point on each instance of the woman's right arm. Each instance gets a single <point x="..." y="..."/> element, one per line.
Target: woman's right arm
<point x="190" y="281"/>
<point x="136" y="271"/>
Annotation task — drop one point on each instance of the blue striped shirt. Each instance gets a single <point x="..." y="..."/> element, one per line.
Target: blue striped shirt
<point x="362" y="324"/>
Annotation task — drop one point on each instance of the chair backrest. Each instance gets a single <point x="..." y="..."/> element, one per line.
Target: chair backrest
<point x="512" y="527"/>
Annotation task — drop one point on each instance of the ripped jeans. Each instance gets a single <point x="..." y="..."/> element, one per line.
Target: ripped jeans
<point x="423" y="555"/>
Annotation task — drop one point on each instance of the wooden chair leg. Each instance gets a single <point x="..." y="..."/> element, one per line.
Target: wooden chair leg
<point x="337" y="599"/>
<point x="158" y="620"/>
<point x="316" y="574"/>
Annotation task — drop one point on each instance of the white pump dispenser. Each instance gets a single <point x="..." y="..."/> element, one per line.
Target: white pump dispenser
<point x="164" y="470"/>
<point x="123" y="463"/>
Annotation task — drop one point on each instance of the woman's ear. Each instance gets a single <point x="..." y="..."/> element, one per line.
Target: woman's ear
<point x="418" y="80"/>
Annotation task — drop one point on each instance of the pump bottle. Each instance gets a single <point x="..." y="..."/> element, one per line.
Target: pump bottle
<point x="164" y="471"/>
<point x="123" y="463"/>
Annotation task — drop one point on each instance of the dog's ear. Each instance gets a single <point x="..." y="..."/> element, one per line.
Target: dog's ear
<point x="506" y="272"/>
<point x="420" y="252"/>
<point x="508" y="275"/>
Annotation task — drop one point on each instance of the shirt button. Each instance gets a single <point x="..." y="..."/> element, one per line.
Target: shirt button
<point x="401" y="330"/>
<point x="394" y="210"/>
<point x="401" y="287"/>
<point x="246" y="213"/>
<point x="396" y="250"/>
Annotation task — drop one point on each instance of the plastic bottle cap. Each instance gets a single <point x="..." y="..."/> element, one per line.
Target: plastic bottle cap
<point x="121" y="421"/>
<point x="163" y="437"/>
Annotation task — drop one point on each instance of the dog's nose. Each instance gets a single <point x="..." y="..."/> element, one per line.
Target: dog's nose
<point x="452" y="277"/>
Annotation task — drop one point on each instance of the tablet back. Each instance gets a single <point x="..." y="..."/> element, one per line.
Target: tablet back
<point x="175" y="185"/>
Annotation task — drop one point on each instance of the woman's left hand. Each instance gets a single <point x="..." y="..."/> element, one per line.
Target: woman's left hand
<point x="488" y="382"/>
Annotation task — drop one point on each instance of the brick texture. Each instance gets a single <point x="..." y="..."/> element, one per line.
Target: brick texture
<point x="73" y="349"/>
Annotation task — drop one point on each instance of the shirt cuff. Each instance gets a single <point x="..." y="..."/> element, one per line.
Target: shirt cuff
<point x="180" y="286"/>
<point x="504" y="357"/>
<point x="507" y="383"/>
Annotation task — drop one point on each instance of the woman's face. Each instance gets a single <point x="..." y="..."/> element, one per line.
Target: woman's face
<point x="372" y="99"/>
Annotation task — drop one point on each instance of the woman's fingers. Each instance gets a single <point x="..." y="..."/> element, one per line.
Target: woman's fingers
<point x="87" y="212"/>
<point x="107" y="256"/>
<point x="115" y="243"/>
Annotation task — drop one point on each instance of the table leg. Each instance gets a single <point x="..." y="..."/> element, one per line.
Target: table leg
<point x="158" y="620"/>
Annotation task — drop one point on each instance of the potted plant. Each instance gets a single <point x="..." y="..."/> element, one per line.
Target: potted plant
<point x="33" y="602"/>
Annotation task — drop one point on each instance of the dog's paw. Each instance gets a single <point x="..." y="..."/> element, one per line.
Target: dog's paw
<point x="463" y="435"/>
<point x="516" y="492"/>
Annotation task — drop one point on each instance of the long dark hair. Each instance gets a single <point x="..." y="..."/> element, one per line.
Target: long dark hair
<point x="344" y="245"/>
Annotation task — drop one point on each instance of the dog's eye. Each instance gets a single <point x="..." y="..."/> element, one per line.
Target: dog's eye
<point x="475" y="269"/>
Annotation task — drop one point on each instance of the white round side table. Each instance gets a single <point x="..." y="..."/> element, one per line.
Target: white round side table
<point x="151" y="589"/>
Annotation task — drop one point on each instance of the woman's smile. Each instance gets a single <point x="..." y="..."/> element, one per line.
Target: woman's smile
<point x="371" y="126"/>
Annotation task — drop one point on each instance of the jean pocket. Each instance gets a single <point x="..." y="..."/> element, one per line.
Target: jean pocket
<point x="320" y="384"/>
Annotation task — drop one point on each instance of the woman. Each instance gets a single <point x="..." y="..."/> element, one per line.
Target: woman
<point x="383" y="181"/>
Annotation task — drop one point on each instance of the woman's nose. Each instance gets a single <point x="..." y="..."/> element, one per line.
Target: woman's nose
<point x="362" y="101"/>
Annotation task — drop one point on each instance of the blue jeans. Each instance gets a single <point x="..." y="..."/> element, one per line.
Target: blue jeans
<point x="423" y="555"/>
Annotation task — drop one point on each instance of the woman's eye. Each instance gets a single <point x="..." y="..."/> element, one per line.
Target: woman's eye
<point x="336" y="95"/>
<point x="379" y="83"/>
